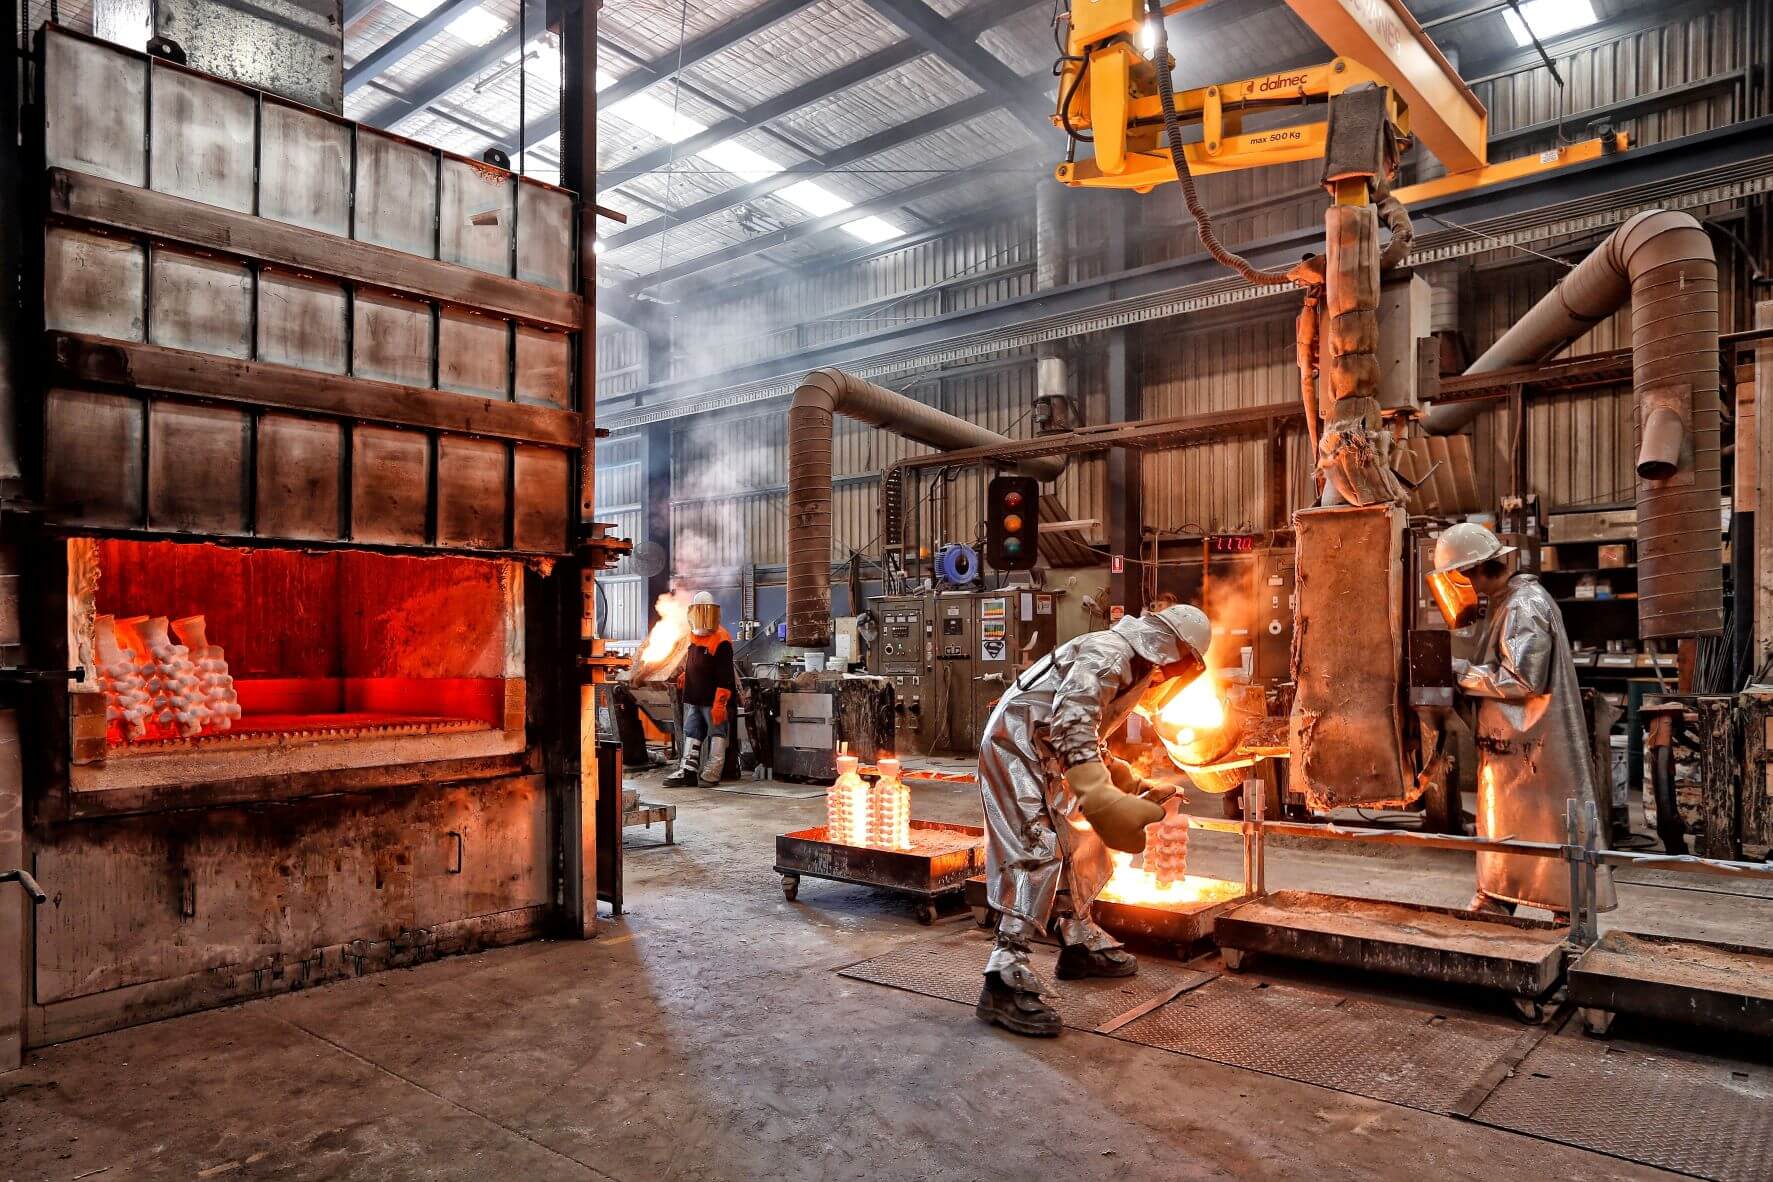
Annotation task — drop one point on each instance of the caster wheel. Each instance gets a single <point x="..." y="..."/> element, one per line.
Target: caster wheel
<point x="985" y="917"/>
<point x="1234" y="959"/>
<point x="926" y="914"/>
<point x="1597" y="1022"/>
<point x="1529" y="1010"/>
<point x="790" y="886"/>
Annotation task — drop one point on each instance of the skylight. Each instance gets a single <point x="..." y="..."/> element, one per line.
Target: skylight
<point x="659" y="119"/>
<point x="1549" y="18"/>
<point x="476" y="26"/>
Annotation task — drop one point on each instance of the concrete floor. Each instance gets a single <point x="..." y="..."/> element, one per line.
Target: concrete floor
<point x="706" y="1036"/>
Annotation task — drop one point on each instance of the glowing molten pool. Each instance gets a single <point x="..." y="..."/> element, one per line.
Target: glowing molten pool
<point x="1139" y="887"/>
<point x="1195" y="710"/>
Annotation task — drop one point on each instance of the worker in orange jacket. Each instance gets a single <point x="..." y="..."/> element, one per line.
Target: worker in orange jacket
<point x="709" y="681"/>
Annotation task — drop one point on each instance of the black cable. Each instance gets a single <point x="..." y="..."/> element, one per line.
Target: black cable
<point x="1178" y="155"/>
<point x="1065" y="106"/>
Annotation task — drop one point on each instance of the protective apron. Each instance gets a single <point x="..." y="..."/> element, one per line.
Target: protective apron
<point x="1037" y="841"/>
<point x="1532" y="745"/>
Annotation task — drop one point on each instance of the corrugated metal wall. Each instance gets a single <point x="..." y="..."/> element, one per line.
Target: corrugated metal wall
<point x="621" y="497"/>
<point x="621" y="361"/>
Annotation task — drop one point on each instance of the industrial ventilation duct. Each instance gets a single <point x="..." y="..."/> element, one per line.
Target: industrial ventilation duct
<point x="822" y="394"/>
<point x="1663" y="263"/>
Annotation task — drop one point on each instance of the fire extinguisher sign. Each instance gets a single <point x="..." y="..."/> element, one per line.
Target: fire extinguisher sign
<point x="1117" y="564"/>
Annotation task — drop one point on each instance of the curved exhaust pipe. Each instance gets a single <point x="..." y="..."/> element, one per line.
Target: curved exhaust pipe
<point x="821" y="395"/>
<point x="1662" y="262"/>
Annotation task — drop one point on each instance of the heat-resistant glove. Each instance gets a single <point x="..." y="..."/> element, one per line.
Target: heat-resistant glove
<point x="1118" y="819"/>
<point x="717" y="712"/>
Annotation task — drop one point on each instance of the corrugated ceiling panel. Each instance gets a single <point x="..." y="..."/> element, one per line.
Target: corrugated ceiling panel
<point x="920" y="87"/>
<point x="805" y="46"/>
<point x="652" y="30"/>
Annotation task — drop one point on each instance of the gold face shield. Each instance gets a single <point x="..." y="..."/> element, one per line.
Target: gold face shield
<point x="1455" y="596"/>
<point x="704" y="618"/>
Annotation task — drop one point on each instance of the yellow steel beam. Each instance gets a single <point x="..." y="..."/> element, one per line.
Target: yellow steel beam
<point x="1382" y="36"/>
<point x="1509" y="170"/>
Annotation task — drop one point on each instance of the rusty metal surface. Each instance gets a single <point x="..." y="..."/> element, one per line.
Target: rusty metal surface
<point x="540" y="480"/>
<point x="473" y="354"/>
<point x="391" y="338"/>
<point x="94" y="458"/>
<point x="197" y="468"/>
<point x="544" y="224"/>
<point x="301" y="321"/>
<point x="93" y="284"/>
<point x="198" y="302"/>
<point x="544" y="361"/>
<point x="952" y="968"/>
<point x="474" y="216"/>
<point x="396" y="198"/>
<point x="1416" y="1058"/>
<point x="1347" y="744"/>
<point x="304" y="169"/>
<point x="95" y="109"/>
<point x="940" y="861"/>
<point x="201" y="135"/>
<point x="471" y="492"/>
<point x="1519" y="956"/>
<point x="300" y="471"/>
<point x="1709" y="1117"/>
<point x="1694" y="982"/>
<point x="390" y="476"/>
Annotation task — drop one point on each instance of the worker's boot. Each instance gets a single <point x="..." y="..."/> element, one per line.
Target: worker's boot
<point x="1077" y="962"/>
<point x="1020" y="1010"/>
<point x="685" y="775"/>
<point x="714" y="762"/>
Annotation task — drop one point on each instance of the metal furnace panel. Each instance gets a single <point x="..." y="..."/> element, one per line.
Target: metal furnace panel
<point x="300" y="472"/>
<point x="396" y="198"/>
<point x="473" y="354"/>
<point x="197" y="468"/>
<point x="390" y="482"/>
<point x="301" y="321"/>
<point x="294" y="48"/>
<point x="544" y="366"/>
<point x="201" y="303"/>
<point x="304" y="169"/>
<point x="540" y="478"/>
<point x="95" y="110"/>
<point x="391" y="338"/>
<point x="475" y="215"/>
<point x="93" y="284"/>
<point x="544" y="225"/>
<point x="94" y="456"/>
<point x="1347" y="724"/>
<point x="472" y="491"/>
<point x="201" y="135"/>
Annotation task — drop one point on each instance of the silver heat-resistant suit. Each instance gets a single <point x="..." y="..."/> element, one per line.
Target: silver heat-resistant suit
<point x="1532" y="745"/>
<point x="1042" y="862"/>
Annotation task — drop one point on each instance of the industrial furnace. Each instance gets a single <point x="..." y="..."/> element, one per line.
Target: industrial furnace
<point x="306" y="445"/>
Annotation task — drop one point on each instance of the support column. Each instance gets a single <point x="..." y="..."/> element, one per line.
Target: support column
<point x="658" y="506"/>
<point x="572" y="741"/>
<point x="15" y="922"/>
<point x="1126" y="404"/>
<point x="1763" y="523"/>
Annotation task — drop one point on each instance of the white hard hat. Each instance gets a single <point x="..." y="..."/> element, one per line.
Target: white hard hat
<point x="1190" y="624"/>
<point x="702" y="597"/>
<point x="1465" y="545"/>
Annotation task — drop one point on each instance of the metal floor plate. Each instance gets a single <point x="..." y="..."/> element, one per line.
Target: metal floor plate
<point x="1709" y="1117"/>
<point x="1416" y="1058"/>
<point x="951" y="968"/>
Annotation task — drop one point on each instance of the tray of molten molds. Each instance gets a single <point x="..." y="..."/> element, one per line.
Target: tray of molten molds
<point x="938" y="861"/>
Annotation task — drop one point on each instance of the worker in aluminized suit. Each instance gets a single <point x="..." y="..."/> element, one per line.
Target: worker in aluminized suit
<point x="1521" y="695"/>
<point x="1056" y="802"/>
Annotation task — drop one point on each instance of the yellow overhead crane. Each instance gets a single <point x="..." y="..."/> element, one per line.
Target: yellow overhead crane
<point x="1108" y="98"/>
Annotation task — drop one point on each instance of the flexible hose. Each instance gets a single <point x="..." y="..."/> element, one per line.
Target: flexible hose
<point x="1173" y="134"/>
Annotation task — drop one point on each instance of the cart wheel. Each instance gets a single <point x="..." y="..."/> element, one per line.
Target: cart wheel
<point x="1529" y="1009"/>
<point x="1597" y="1022"/>
<point x="985" y="917"/>
<point x="790" y="886"/>
<point x="1234" y="959"/>
<point x="926" y="914"/>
